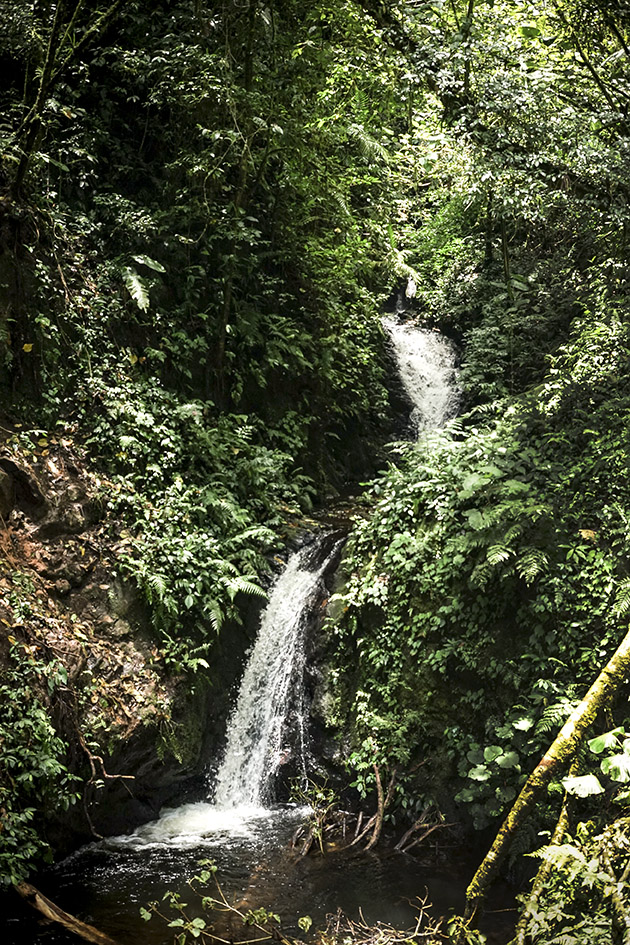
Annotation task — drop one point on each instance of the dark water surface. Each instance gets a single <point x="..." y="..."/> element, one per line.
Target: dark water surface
<point x="106" y="884"/>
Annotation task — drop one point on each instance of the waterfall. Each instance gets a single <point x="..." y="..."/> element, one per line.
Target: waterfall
<point x="271" y="688"/>
<point x="268" y="723"/>
<point x="426" y="363"/>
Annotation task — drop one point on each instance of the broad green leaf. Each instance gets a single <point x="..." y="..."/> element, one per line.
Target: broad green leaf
<point x="475" y="756"/>
<point x="151" y="263"/>
<point x="583" y="786"/>
<point x="474" y="481"/>
<point x="506" y="794"/>
<point x="617" y="767"/>
<point x="607" y="740"/>
<point x="136" y="288"/>
<point x="509" y="760"/>
<point x="479" y="773"/>
<point x="492" y="752"/>
<point x="475" y="519"/>
<point x="466" y="795"/>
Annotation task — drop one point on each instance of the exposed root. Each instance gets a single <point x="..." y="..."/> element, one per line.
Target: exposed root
<point x="341" y="929"/>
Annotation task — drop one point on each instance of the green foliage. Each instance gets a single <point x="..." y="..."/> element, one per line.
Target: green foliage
<point x="33" y="775"/>
<point x="484" y="584"/>
<point x="198" y="242"/>
<point x="200" y="210"/>
<point x="190" y="927"/>
<point x="585" y="891"/>
<point x="614" y="746"/>
<point x="201" y="502"/>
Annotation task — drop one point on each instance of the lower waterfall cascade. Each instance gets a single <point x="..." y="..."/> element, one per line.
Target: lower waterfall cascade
<point x="271" y="682"/>
<point x="271" y="686"/>
<point x="271" y="689"/>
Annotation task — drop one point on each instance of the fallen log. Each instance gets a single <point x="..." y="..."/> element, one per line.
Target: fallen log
<point x="88" y="933"/>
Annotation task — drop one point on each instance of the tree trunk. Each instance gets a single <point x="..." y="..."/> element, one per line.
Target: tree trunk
<point x="558" y="754"/>
<point x="542" y="875"/>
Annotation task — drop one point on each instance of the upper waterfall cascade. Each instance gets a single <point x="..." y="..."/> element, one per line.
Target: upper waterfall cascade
<point x="426" y="363"/>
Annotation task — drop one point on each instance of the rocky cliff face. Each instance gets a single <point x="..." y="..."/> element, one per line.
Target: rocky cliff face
<point x="138" y="736"/>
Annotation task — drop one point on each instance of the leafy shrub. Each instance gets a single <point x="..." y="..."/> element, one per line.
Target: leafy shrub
<point x="33" y="775"/>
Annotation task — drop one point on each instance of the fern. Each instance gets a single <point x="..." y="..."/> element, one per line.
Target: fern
<point x="342" y="203"/>
<point x="622" y="602"/>
<point x="555" y="716"/>
<point x="136" y="288"/>
<point x="531" y="564"/>
<point x="499" y="554"/>
<point x="156" y="587"/>
<point x="215" y="613"/>
<point x="559" y="855"/>
<point x="369" y="147"/>
<point x="245" y="586"/>
<point x="237" y="584"/>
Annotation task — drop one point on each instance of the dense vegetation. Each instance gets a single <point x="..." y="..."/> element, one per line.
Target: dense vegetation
<point x="203" y="208"/>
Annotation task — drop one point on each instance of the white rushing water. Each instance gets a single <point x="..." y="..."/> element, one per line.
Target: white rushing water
<point x="426" y="364"/>
<point x="256" y="730"/>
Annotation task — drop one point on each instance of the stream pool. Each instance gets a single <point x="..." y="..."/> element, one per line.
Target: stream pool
<point x="106" y="884"/>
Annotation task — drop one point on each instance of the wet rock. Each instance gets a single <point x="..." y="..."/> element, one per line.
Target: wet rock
<point x="122" y="597"/>
<point x="120" y="630"/>
<point x="62" y="587"/>
<point x="6" y="494"/>
<point x="62" y="520"/>
<point x="27" y="492"/>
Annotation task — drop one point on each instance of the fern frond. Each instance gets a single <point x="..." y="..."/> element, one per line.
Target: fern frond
<point x="369" y="147"/>
<point x="498" y="554"/>
<point x="560" y="854"/>
<point x="531" y="564"/>
<point x="244" y="586"/>
<point x="622" y="601"/>
<point x="215" y="613"/>
<point x="136" y="288"/>
<point x="514" y="531"/>
<point x="342" y="203"/>
<point x="554" y="716"/>
<point x="156" y="585"/>
<point x="223" y="567"/>
<point x="481" y="575"/>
